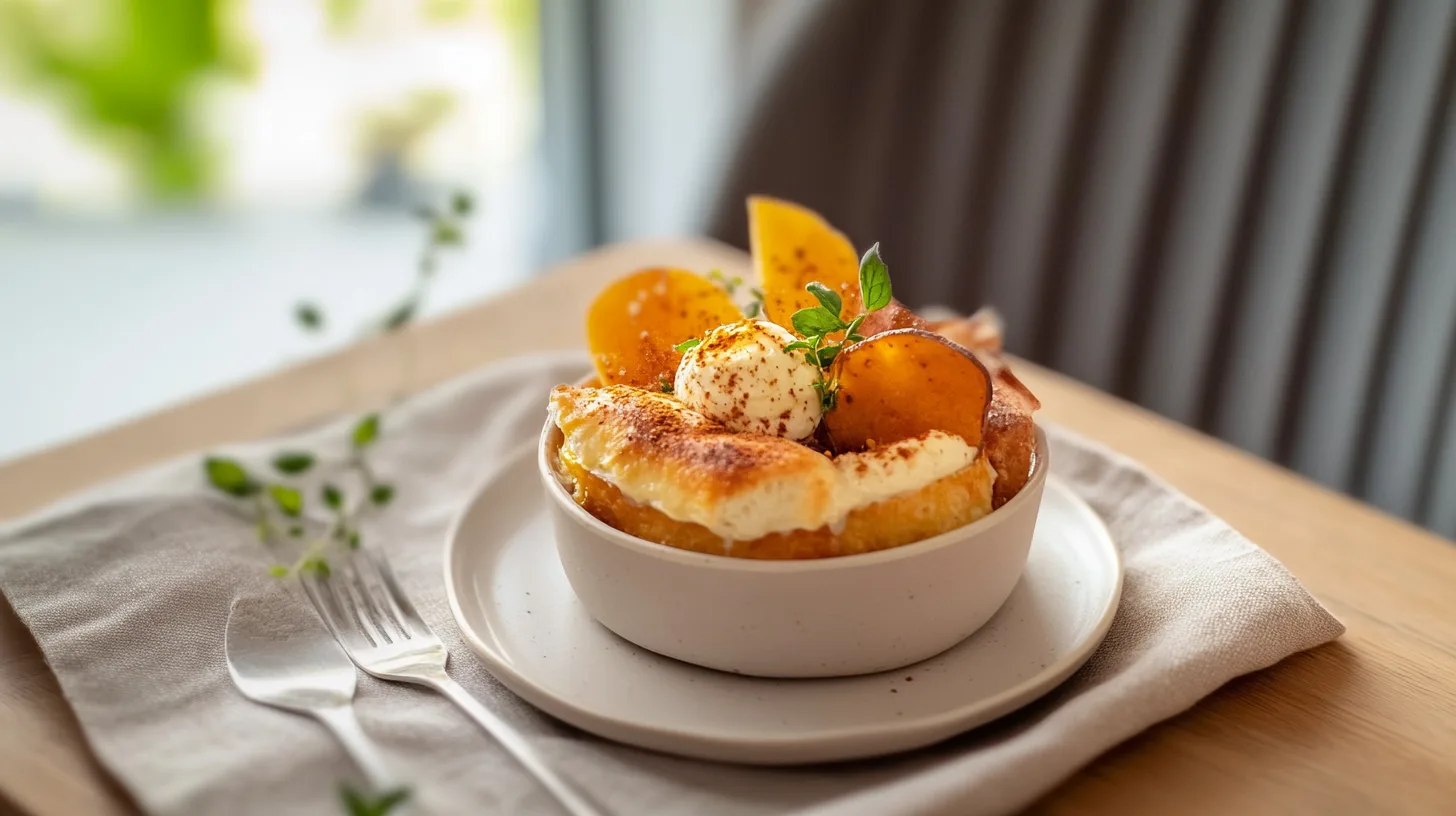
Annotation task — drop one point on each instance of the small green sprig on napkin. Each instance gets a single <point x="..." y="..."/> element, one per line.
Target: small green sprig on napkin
<point x="363" y="804"/>
<point x="817" y="323"/>
<point x="278" y="505"/>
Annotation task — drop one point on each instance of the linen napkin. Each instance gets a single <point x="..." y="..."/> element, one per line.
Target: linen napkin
<point x="127" y="589"/>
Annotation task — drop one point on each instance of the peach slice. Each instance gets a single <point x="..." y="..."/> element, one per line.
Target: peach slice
<point x="634" y="323"/>
<point x="793" y="247"/>
<point x="904" y="382"/>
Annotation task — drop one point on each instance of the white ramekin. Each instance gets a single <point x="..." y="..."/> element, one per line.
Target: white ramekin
<point x="823" y="617"/>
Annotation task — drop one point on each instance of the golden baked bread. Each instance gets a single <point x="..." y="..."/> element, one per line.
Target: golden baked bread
<point x="619" y="438"/>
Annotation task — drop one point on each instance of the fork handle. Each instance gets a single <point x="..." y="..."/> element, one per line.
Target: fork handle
<point x="515" y="745"/>
<point x="358" y="745"/>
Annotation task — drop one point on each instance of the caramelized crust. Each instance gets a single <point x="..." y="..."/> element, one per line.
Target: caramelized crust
<point x="617" y="438"/>
<point x="1010" y="437"/>
<point x="939" y="507"/>
<point x="659" y="439"/>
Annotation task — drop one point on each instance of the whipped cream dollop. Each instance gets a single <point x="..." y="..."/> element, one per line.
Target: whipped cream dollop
<point x="740" y="376"/>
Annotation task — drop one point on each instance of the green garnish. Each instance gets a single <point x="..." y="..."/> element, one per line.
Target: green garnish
<point x="686" y="345"/>
<point x="445" y="229"/>
<point x="292" y="463"/>
<point x="366" y="431"/>
<point x="363" y="804"/>
<point x="229" y="477"/>
<point x="288" y="500"/>
<point x="755" y="306"/>
<point x="828" y="298"/>
<point x="280" y="507"/>
<point x="817" y="320"/>
<point x="316" y="565"/>
<point x="874" y="280"/>
<point x="730" y="285"/>
<point x="816" y="323"/>
<point x="309" y="316"/>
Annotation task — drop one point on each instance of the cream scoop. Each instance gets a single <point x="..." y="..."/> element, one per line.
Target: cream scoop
<point x="740" y="376"/>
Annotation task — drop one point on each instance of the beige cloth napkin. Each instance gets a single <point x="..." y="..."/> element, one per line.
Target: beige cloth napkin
<point x="127" y="589"/>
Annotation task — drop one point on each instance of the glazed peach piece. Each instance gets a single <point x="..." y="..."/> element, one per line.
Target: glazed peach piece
<point x="634" y="323"/>
<point x="902" y="383"/>
<point x="793" y="246"/>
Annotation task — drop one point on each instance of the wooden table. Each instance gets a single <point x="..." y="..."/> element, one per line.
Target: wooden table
<point x="1365" y="725"/>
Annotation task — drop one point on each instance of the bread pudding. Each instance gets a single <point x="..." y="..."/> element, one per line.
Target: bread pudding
<point x="821" y="419"/>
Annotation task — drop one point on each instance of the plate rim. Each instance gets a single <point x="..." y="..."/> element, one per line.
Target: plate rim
<point x="782" y="749"/>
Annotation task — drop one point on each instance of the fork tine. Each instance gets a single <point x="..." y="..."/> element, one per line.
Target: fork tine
<point x="400" y="599"/>
<point x="375" y="602"/>
<point x="379" y="590"/>
<point x="348" y="590"/>
<point x="326" y="603"/>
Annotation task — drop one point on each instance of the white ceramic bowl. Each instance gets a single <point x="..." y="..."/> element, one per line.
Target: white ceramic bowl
<point x="824" y="617"/>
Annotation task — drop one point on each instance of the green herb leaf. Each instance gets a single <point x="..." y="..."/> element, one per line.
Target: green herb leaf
<point x="753" y="310"/>
<point x="353" y="539"/>
<point x="799" y="344"/>
<point x="874" y="280"/>
<point x="687" y="344"/>
<point x="296" y="531"/>
<point x="854" y="338"/>
<point x="817" y="320"/>
<point x="827" y="355"/>
<point x="401" y="315"/>
<point x="309" y="316"/>
<point x="317" y="565"/>
<point x="381" y="494"/>
<point x="728" y="284"/>
<point x="664" y="384"/>
<point x="462" y="203"/>
<point x="293" y="462"/>
<point x="229" y="476"/>
<point x="278" y="571"/>
<point x="854" y="326"/>
<point x="333" y="497"/>
<point x="289" y="501"/>
<point x="447" y="233"/>
<point x="828" y="298"/>
<point x="366" y="431"/>
<point x="362" y="804"/>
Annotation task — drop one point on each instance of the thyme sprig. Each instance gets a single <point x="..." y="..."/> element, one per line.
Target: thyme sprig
<point x="817" y="325"/>
<point x="277" y="505"/>
<point x="280" y="507"/>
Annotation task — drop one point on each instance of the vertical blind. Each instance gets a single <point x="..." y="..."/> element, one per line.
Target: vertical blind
<point x="1239" y="213"/>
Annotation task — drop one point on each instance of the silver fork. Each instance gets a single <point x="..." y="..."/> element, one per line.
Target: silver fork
<point x="373" y="619"/>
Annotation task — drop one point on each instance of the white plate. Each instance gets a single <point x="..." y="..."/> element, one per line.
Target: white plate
<point x="517" y="612"/>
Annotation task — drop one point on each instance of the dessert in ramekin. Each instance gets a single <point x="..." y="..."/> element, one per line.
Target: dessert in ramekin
<point x="822" y="483"/>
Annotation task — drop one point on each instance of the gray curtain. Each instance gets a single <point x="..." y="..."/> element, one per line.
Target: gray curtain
<point x="1241" y="214"/>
